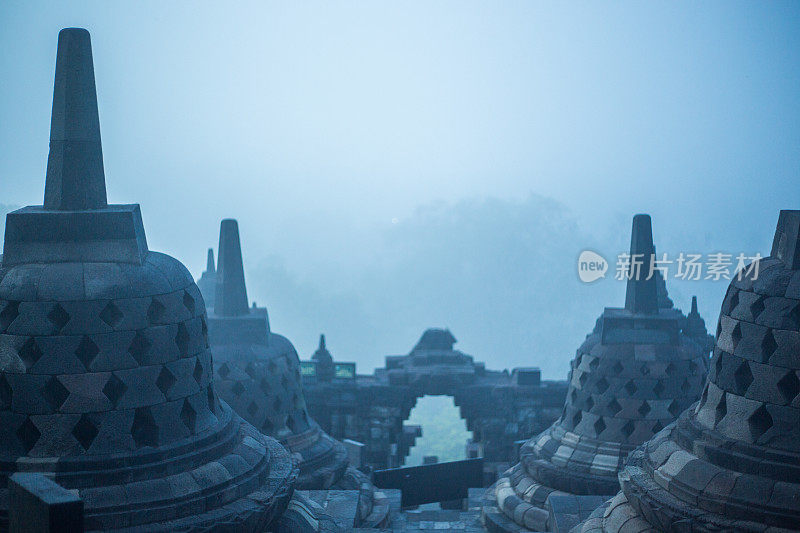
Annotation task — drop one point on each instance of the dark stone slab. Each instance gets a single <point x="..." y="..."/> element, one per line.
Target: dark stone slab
<point x="435" y="482"/>
<point x="38" y="504"/>
<point x="111" y="234"/>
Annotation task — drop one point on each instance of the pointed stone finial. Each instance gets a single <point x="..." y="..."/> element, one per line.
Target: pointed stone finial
<point x="786" y="244"/>
<point x="75" y="177"/>
<point x="75" y="224"/>
<point x="694" y="306"/>
<point x="321" y="342"/>
<point x="641" y="295"/>
<point x="210" y="266"/>
<point x="230" y="297"/>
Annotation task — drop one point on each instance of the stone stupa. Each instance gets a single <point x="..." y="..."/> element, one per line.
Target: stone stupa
<point x="632" y="376"/>
<point x="208" y="281"/>
<point x="105" y="371"/>
<point x="258" y="372"/>
<point x="324" y="360"/>
<point x="731" y="463"/>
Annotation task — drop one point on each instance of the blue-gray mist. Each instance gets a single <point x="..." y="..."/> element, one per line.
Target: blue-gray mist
<point x="395" y="166"/>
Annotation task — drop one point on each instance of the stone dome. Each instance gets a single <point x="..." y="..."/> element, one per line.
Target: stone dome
<point x="105" y="370"/>
<point x="632" y="376"/>
<point x="436" y="339"/>
<point x="733" y="461"/>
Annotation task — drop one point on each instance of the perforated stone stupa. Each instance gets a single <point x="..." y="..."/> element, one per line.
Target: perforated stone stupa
<point x="258" y="371"/>
<point x="105" y="372"/>
<point x="633" y="375"/>
<point x="731" y="463"/>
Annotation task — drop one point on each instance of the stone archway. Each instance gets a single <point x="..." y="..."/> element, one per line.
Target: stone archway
<point x="444" y="434"/>
<point x="500" y="408"/>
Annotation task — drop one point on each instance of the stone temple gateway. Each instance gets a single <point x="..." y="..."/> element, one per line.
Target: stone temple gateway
<point x="499" y="407"/>
<point x="134" y="399"/>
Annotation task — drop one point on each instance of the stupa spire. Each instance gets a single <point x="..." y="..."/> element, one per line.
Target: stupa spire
<point x="786" y="244"/>
<point x="694" y="305"/>
<point x="231" y="293"/>
<point x="641" y="295"/>
<point x="75" y="178"/>
<point x="321" y="342"/>
<point x="210" y="266"/>
<point x="75" y="216"/>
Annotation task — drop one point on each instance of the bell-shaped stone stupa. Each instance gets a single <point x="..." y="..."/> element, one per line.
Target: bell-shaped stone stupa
<point x="258" y="372"/>
<point x="105" y="372"/>
<point x="732" y="463"/>
<point x="633" y="375"/>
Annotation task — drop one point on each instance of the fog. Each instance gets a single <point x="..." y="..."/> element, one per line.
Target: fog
<point x="396" y="166"/>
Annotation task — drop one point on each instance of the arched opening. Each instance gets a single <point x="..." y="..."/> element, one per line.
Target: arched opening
<point x="444" y="432"/>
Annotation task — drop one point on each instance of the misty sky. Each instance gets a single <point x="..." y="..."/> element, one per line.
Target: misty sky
<point x="400" y="165"/>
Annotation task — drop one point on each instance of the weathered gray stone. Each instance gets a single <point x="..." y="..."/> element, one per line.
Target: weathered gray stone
<point x="731" y="462"/>
<point x="105" y="374"/>
<point x="568" y="510"/>
<point x="499" y="407"/>
<point x="39" y="505"/>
